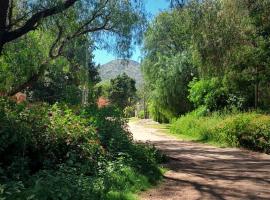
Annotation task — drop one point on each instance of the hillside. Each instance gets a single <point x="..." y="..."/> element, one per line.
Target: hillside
<point x="114" y="68"/>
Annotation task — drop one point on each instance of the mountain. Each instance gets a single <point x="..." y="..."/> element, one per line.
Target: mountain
<point x="113" y="68"/>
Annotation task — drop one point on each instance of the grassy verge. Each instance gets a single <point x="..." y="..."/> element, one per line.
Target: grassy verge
<point x="248" y="130"/>
<point x="197" y="129"/>
<point x="166" y="129"/>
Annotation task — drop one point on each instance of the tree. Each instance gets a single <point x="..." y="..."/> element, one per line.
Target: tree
<point x="259" y="13"/>
<point x="20" y="62"/>
<point x="74" y="19"/>
<point x="18" y="18"/>
<point x="178" y="3"/>
<point x="29" y="14"/>
<point x="122" y="91"/>
<point x="144" y="97"/>
<point x="231" y="40"/>
<point x="167" y="65"/>
<point x="60" y="83"/>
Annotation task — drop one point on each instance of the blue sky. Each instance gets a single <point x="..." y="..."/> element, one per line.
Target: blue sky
<point x="153" y="7"/>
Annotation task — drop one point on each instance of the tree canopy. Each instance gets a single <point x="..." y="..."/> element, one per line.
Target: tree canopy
<point x="122" y="92"/>
<point x="63" y="24"/>
<point x="224" y="44"/>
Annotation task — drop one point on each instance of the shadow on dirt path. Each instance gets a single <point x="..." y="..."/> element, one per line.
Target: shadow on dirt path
<point x="199" y="171"/>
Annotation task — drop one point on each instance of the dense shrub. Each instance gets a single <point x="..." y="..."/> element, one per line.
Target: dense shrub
<point x="114" y="136"/>
<point x="208" y="92"/>
<point x="111" y="127"/>
<point x="38" y="136"/>
<point x="141" y="114"/>
<point x="53" y="152"/>
<point x="249" y="130"/>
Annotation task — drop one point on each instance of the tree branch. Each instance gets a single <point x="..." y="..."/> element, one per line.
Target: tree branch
<point x="83" y="30"/>
<point x="31" y="23"/>
<point x="53" y="47"/>
<point x="30" y="81"/>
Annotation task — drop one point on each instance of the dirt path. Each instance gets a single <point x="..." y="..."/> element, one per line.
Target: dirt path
<point x="199" y="171"/>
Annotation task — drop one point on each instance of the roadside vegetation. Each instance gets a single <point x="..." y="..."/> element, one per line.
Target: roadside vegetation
<point x="249" y="130"/>
<point x="63" y="134"/>
<point x="53" y="152"/>
<point x="206" y="69"/>
<point x="59" y="139"/>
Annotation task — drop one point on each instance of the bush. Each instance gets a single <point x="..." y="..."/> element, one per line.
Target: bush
<point x="194" y="126"/>
<point x="141" y="114"/>
<point x="115" y="137"/>
<point x="38" y="136"/>
<point x="53" y="152"/>
<point x="111" y="127"/>
<point x="248" y="130"/>
<point x="208" y="92"/>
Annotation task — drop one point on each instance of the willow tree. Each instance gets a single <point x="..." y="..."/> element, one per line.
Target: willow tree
<point x="167" y="64"/>
<point x="120" y="20"/>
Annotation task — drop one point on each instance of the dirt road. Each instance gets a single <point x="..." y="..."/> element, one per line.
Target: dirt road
<point x="199" y="171"/>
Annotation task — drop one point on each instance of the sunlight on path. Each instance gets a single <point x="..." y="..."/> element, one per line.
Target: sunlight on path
<point x="199" y="171"/>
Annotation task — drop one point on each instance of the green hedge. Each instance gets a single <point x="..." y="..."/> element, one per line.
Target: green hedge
<point x="248" y="130"/>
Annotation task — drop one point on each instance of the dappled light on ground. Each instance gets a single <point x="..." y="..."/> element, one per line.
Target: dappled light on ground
<point x="199" y="171"/>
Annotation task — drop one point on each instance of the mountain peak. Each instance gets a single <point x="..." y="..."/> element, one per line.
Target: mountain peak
<point x="116" y="67"/>
<point x="122" y="62"/>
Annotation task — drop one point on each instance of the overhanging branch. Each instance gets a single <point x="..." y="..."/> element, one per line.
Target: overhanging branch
<point x="32" y="22"/>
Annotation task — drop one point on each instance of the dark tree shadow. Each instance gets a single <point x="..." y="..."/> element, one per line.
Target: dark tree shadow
<point x="215" y="173"/>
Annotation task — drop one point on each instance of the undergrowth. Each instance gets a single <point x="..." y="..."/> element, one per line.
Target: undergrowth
<point x="54" y="152"/>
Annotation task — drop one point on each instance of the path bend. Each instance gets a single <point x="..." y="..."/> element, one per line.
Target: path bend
<point x="202" y="172"/>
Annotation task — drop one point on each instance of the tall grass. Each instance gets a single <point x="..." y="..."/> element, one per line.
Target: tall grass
<point x="249" y="130"/>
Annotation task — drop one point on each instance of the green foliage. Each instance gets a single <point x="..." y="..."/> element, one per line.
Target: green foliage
<point x="167" y="65"/>
<point x="116" y="181"/>
<point x="157" y="114"/>
<point x="215" y="94"/>
<point x="122" y="91"/>
<point x="15" y="63"/>
<point x="111" y="127"/>
<point x="60" y="83"/>
<point x="103" y="88"/>
<point x="43" y="137"/>
<point x="64" y="79"/>
<point x="208" y="92"/>
<point x="229" y="42"/>
<point x="249" y="130"/>
<point x="50" y="151"/>
<point x="222" y="43"/>
<point x="129" y="111"/>
<point x="53" y="152"/>
<point x="141" y="114"/>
